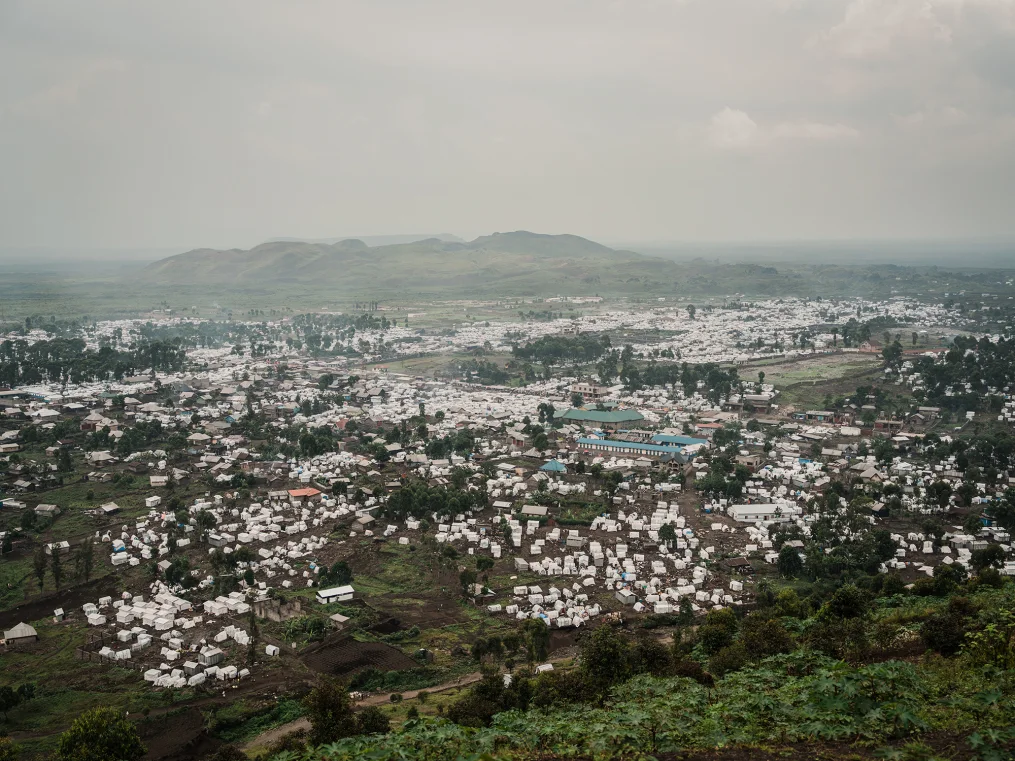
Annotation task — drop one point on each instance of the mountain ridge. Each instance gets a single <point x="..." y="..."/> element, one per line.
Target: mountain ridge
<point x="546" y="261"/>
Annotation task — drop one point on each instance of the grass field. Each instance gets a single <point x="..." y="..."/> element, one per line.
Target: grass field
<point x="434" y="365"/>
<point x="805" y="383"/>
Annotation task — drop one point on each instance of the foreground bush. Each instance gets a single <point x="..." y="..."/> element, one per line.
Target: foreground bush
<point x="799" y="697"/>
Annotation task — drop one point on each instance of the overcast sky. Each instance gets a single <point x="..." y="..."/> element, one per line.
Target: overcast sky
<point x="224" y="123"/>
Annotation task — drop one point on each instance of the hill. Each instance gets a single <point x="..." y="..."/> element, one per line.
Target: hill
<point x="372" y="240"/>
<point x="517" y="264"/>
<point x="503" y="263"/>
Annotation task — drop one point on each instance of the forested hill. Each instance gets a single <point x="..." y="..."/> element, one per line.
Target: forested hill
<point x="509" y="261"/>
<point x="522" y="263"/>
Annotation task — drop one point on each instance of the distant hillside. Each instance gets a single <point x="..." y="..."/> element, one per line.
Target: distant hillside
<point x="521" y="264"/>
<point x="510" y="263"/>
<point x="374" y="240"/>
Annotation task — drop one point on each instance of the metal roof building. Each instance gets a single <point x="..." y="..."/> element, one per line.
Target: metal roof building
<point x="604" y="418"/>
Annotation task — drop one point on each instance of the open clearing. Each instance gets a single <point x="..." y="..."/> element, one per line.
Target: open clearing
<point x="804" y="383"/>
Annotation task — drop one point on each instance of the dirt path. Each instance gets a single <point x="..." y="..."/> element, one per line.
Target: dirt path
<point x="383" y="698"/>
<point x="271" y="735"/>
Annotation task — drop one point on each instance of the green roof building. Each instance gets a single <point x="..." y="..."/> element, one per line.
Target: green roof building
<point x="605" y="419"/>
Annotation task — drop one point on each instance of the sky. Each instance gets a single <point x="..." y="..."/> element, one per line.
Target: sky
<point x="226" y="123"/>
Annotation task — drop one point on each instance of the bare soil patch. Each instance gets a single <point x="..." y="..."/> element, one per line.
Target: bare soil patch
<point x="342" y="656"/>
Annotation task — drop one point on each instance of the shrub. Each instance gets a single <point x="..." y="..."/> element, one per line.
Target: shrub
<point x="945" y="631"/>
<point x="718" y="631"/>
<point x="329" y="711"/>
<point x="372" y="721"/>
<point x="762" y="637"/>
<point x="731" y="658"/>
<point x="291" y="742"/>
<point x="691" y="669"/>
<point x="100" y="735"/>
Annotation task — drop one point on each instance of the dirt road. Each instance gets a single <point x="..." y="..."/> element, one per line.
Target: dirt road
<point x="270" y="736"/>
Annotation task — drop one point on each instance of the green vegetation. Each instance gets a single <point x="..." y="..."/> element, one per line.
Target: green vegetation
<point x="269" y="279"/>
<point x="555" y="350"/>
<point x="417" y="499"/>
<point x="329" y="710"/>
<point x="67" y="360"/>
<point x="972" y="377"/>
<point x="101" y="735"/>
<point x="241" y="721"/>
<point x="774" y="678"/>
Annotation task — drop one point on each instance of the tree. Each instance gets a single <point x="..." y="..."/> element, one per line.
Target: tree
<point x="991" y="556"/>
<point x="63" y="461"/>
<point x="790" y="565"/>
<point x="848" y="601"/>
<point x="604" y="659"/>
<point x="39" y="565"/>
<point x="9" y="698"/>
<point x="945" y="630"/>
<point x="972" y="524"/>
<point x="467" y="578"/>
<point x="56" y="565"/>
<point x="762" y="637"/>
<point x="690" y="311"/>
<point x="372" y="721"/>
<point x="101" y="735"/>
<point x="577" y="400"/>
<point x="254" y="633"/>
<point x="537" y="638"/>
<point x="668" y="534"/>
<point x="85" y="559"/>
<point x="329" y="711"/>
<point x="761" y="377"/>
<point x="892" y="353"/>
<point x="939" y="493"/>
<point x="718" y="631"/>
<point x="340" y="573"/>
<point x="205" y="520"/>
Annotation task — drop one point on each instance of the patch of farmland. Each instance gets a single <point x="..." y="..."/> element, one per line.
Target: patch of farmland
<point x="343" y="656"/>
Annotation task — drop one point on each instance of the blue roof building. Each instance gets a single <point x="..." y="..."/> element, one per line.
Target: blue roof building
<point x="554" y="466"/>
<point x="632" y="448"/>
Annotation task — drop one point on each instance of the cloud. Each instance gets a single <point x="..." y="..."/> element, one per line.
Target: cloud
<point x="402" y="116"/>
<point x="945" y="117"/>
<point x="878" y="28"/>
<point x="733" y="129"/>
<point x="874" y="27"/>
<point x="814" y="131"/>
<point x="70" y="90"/>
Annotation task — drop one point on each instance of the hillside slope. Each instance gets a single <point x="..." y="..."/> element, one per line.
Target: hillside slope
<point x="506" y="265"/>
<point x="517" y="262"/>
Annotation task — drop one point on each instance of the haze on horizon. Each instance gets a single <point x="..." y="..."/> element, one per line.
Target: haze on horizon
<point x="194" y="124"/>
